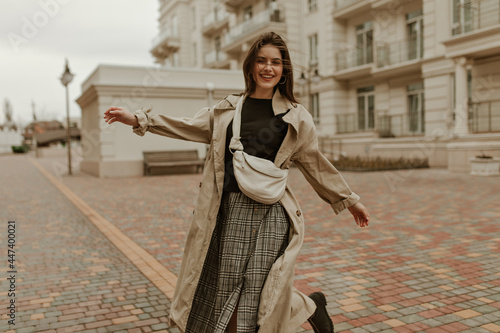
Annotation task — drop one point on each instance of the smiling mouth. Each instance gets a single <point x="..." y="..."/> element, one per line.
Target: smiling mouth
<point x="267" y="77"/>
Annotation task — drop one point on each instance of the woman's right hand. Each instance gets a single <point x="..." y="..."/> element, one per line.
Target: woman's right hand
<point x="119" y="114"/>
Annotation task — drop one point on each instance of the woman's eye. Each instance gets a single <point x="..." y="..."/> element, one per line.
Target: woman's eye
<point x="277" y="62"/>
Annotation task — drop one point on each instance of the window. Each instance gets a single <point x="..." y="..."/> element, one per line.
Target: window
<point x="416" y="123"/>
<point x="313" y="50"/>
<point x="314" y="98"/>
<point x="194" y="55"/>
<point x="464" y="16"/>
<point x="364" y="43"/>
<point x="366" y="108"/>
<point x="247" y="13"/>
<point x="193" y="17"/>
<point x="175" y="29"/>
<point x="312" y="5"/>
<point x="414" y="32"/>
<point x="217" y="43"/>
<point x="175" y="59"/>
<point x="217" y="46"/>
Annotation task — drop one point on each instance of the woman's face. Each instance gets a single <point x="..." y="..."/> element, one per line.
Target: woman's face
<point x="267" y="71"/>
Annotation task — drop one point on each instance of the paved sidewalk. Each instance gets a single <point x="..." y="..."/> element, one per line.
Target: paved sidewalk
<point x="429" y="262"/>
<point x="70" y="278"/>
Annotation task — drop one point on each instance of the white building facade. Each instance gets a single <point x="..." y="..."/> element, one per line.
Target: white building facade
<point x="113" y="150"/>
<point x="390" y="78"/>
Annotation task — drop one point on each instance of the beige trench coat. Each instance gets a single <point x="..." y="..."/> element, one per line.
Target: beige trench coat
<point x="282" y="308"/>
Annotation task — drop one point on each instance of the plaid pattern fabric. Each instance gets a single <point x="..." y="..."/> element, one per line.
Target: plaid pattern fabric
<point x="247" y="240"/>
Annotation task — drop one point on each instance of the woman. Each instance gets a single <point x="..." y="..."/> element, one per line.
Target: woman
<point x="238" y="265"/>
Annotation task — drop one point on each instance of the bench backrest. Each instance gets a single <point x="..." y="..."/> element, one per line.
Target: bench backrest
<point x="173" y="155"/>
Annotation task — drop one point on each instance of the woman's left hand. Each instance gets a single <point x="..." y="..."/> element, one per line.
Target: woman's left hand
<point x="360" y="214"/>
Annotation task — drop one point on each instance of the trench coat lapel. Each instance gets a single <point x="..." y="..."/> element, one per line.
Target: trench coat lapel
<point x="222" y="118"/>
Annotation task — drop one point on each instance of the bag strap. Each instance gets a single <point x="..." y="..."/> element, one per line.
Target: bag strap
<point x="235" y="143"/>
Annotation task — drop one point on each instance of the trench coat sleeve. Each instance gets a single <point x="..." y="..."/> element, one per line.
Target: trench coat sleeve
<point x="197" y="129"/>
<point x="321" y="174"/>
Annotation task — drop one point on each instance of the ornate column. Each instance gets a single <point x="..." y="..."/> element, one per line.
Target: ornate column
<point x="461" y="97"/>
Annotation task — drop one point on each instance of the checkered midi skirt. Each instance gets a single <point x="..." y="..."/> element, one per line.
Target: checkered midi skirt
<point x="248" y="238"/>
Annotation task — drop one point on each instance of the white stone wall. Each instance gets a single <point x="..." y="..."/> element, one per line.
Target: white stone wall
<point x="9" y="138"/>
<point x="114" y="150"/>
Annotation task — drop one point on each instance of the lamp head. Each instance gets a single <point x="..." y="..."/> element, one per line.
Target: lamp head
<point x="302" y="80"/>
<point x="67" y="76"/>
<point x="316" y="77"/>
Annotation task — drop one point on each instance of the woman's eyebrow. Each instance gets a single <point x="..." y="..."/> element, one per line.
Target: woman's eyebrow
<point x="261" y="57"/>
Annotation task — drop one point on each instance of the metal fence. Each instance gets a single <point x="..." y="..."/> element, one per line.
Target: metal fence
<point x="330" y="147"/>
<point x="473" y="15"/>
<point x="386" y="125"/>
<point x="398" y="52"/>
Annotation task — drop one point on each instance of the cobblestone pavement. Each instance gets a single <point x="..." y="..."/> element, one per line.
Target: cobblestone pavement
<point x="429" y="262"/>
<point x="69" y="278"/>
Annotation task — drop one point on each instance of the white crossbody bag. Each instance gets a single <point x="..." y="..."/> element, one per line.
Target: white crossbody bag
<point x="258" y="178"/>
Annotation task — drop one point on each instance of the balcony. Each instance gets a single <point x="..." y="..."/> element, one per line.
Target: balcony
<point x="345" y="9"/>
<point x="399" y="57"/>
<point x="386" y="125"/>
<point x="215" y="22"/>
<point x="353" y="63"/>
<point x="344" y="3"/>
<point x="397" y="125"/>
<point x="267" y="20"/>
<point x="165" y="43"/>
<point x="473" y="15"/>
<point x="484" y="117"/>
<point x="216" y="59"/>
<point x="349" y="123"/>
<point x="390" y="54"/>
<point x="232" y="5"/>
<point x="475" y="30"/>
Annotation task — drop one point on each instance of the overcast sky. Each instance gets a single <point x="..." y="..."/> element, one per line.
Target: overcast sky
<point x="37" y="35"/>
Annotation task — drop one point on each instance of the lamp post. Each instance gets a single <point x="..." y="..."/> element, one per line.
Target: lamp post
<point x="307" y="80"/>
<point x="66" y="79"/>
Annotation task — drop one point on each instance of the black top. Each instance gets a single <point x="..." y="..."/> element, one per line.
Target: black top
<point x="261" y="132"/>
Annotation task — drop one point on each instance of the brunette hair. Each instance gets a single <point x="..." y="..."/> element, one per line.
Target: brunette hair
<point x="270" y="38"/>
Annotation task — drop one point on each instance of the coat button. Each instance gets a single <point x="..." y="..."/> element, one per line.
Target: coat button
<point x="298" y="213"/>
<point x="200" y="184"/>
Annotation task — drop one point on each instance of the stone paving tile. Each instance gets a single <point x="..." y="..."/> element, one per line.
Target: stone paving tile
<point x="433" y="244"/>
<point x="69" y="276"/>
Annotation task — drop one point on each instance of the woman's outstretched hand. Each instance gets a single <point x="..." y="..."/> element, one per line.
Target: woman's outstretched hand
<point x="360" y="214"/>
<point x="118" y="114"/>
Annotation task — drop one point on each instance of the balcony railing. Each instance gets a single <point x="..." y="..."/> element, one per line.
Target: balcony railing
<point x="166" y="36"/>
<point x="346" y="123"/>
<point x="344" y="3"/>
<point x="386" y="125"/>
<point x="255" y="23"/>
<point x="484" y="117"/>
<point x="353" y="57"/>
<point x="471" y="15"/>
<point x="398" y="52"/>
<point x="349" y="123"/>
<point x="215" y="56"/>
<point x="214" y="17"/>
<point x="394" y="125"/>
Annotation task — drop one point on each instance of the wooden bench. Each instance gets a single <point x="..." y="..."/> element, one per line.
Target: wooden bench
<point x="166" y="160"/>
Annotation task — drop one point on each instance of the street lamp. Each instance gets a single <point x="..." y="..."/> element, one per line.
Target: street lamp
<point x="66" y="79"/>
<point x="306" y="80"/>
